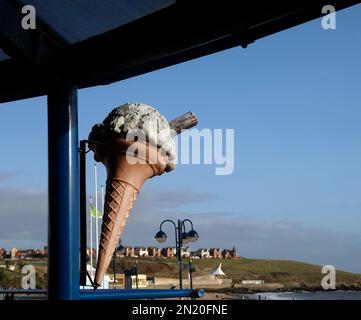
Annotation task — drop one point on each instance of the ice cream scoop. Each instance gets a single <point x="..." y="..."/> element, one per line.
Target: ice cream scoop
<point x="136" y="120"/>
<point x="135" y="143"/>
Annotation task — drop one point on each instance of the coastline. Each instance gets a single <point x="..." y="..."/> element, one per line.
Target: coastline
<point x="267" y="289"/>
<point x="285" y="295"/>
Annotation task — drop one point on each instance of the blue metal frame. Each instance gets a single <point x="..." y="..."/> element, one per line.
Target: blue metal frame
<point x="138" y="294"/>
<point x="24" y="291"/>
<point x="118" y="294"/>
<point x="63" y="221"/>
<point x="64" y="212"/>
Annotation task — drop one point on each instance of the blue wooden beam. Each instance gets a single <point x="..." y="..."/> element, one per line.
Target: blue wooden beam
<point x="33" y="46"/>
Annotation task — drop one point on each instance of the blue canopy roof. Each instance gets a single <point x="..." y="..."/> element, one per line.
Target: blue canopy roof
<point x="77" y="20"/>
<point x="97" y="42"/>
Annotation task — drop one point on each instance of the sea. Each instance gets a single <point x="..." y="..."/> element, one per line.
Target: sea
<point x="306" y="295"/>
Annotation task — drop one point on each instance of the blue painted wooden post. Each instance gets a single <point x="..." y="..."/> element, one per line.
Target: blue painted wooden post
<point x="63" y="220"/>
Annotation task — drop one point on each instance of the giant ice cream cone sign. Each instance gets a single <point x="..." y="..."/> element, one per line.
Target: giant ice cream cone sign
<point x="135" y="143"/>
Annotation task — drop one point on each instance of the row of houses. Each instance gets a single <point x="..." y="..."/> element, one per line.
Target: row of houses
<point x="170" y="252"/>
<point x="16" y="253"/>
<point x="167" y="252"/>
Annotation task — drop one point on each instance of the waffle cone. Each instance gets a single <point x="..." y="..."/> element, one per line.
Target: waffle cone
<point x="125" y="177"/>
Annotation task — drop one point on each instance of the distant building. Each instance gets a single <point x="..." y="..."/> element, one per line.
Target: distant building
<point x="28" y="253"/>
<point x="168" y="252"/>
<point x="14" y="253"/>
<point x="226" y="254"/>
<point x="215" y="253"/>
<point x="129" y="252"/>
<point x="128" y="281"/>
<point x="233" y="253"/>
<point x="131" y="281"/>
<point x="154" y="252"/>
<point x="119" y="252"/>
<point x="194" y="255"/>
<point x="45" y="251"/>
<point x="141" y="251"/>
<point x="203" y="253"/>
<point x="185" y="252"/>
<point x="39" y="253"/>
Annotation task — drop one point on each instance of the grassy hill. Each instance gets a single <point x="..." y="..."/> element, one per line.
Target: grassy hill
<point x="12" y="278"/>
<point x="292" y="275"/>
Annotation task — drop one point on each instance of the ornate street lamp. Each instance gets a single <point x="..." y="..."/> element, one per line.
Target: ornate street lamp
<point x="181" y="236"/>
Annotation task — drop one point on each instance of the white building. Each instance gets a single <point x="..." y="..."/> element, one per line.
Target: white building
<point x="185" y="252"/>
<point x="14" y="252"/>
<point x="203" y="253"/>
<point x="91" y="271"/>
<point x="141" y="251"/>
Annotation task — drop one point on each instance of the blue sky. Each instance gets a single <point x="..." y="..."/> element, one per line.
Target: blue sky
<point x="293" y="100"/>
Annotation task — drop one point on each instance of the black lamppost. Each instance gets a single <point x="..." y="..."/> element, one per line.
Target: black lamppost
<point x="190" y="273"/>
<point x="136" y="273"/>
<point x="181" y="236"/>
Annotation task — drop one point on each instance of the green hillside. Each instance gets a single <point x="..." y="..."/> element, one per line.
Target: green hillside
<point x="292" y="275"/>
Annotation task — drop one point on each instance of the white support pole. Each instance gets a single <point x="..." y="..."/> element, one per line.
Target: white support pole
<point x="96" y="212"/>
<point x="102" y="199"/>
<point x="91" y="237"/>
